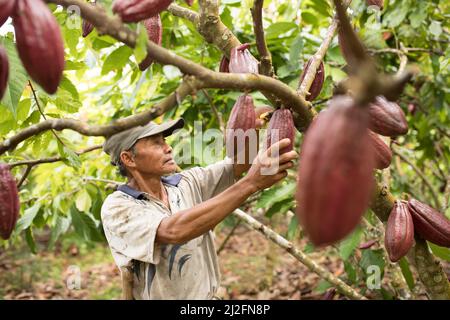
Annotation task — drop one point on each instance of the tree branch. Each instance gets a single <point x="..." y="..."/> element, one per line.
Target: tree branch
<point x="183" y="12"/>
<point x="265" y="67"/>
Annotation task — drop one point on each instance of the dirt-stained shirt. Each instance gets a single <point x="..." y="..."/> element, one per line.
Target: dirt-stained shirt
<point x="162" y="271"/>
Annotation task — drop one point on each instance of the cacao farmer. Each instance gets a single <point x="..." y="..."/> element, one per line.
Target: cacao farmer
<point x="159" y="224"/>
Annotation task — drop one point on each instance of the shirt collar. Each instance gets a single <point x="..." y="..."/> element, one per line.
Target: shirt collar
<point x="172" y="180"/>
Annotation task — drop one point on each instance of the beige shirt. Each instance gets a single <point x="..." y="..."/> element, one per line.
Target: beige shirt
<point x="130" y="221"/>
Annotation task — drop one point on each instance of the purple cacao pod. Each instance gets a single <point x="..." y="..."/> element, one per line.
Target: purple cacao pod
<point x="387" y="118"/>
<point x="382" y="152"/>
<point x="317" y="84"/>
<point x="281" y="126"/>
<point x="154" y="31"/>
<point x="9" y="202"/>
<point x="4" y="71"/>
<point x="6" y="10"/>
<point x="335" y="176"/>
<point x="399" y="235"/>
<point x="39" y="43"/>
<point x="242" y="61"/>
<point x="224" y="64"/>
<point x="138" y="10"/>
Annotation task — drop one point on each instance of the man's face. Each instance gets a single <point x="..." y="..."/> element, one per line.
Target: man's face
<point x="153" y="156"/>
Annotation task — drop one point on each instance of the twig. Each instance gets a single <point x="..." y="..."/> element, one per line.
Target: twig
<point x="216" y="112"/>
<point x="446" y="201"/>
<point x="265" y="67"/>
<point x="26" y="173"/>
<point x="183" y="12"/>
<point x="228" y="237"/>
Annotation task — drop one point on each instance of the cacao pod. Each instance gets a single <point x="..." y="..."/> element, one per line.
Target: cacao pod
<point x="378" y="3"/>
<point x="189" y="2"/>
<point x="6" y="10"/>
<point x="4" y="71"/>
<point x="429" y="223"/>
<point x="87" y="27"/>
<point x="382" y="152"/>
<point x="154" y="31"/>
<point x="387" y="118"/>
<point x="281" y="126"/>
<point x="399" y="235"/>
<point x="224" y="63"/>
<point x="39" y="43"/>
<point x="9" y="202"/>
<point x="240" y="126"/>
<point x="242" y="61"/>
<point x="329" y="295"/>
<point x="367" y="245"/>
<point x="317" y="83"/>
<point x="335" y="179"/>
<point x="138" y="10"/>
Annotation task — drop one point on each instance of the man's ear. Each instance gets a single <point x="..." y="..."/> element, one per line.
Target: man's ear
<point x="127" y="158"/>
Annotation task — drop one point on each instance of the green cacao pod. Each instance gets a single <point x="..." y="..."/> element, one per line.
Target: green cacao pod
<point x="382" y="152"/>
<point x="317" y="83"/>
<point x="6" y="10"/>
<point x="335" y="176"/>
<point x="281" y="126"/>
<point x="138" y="10"/>
<point x="240" y="125"/>
<point x="399" y="234"/>
<point x="9" y="202"/>
<point x="429" y="223"/>
<point x="39" y="43"/>
<point x="242" y="61"/>
<point x="4" y="71"/>
<point x="387" y="118"/>
<point x="224" y="64"/>
<point x="154" y="31"/>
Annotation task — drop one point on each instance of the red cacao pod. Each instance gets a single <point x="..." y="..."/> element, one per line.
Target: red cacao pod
<point x="399" y="235"/>
<point x="39" y="43"/>
<point x="378" y="3"/>
<point x="281" y="126"/>
<point x="242" y="122"/>
<point x="242" y="61"/>
<point x="154" y="31"/>
<point x="382" y="152"/>
<point x="6" y="10"/>
<point x="189" y="2"/>
<point x="429" y="223"/>
<point x="9" y="202"/>
<point x="387" y="118"/>
<point x="87" y="28"/>
<point x="367" y="245"/>
<point x="138" y="10"/>
<point x="4" y="71"/>
<point x="224" y="64"/>
<point x="335" y="179"/>
<point x="329" y="295"/>
<point x="317" y="83"/>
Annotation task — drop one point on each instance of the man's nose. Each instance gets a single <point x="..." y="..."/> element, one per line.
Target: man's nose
<point x="168" y="148"/>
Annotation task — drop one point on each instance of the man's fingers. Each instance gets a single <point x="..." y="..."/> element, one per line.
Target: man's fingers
<point x="285" y="166"/>
<point x="288" y="156"/>
<point x="277" y="146"/>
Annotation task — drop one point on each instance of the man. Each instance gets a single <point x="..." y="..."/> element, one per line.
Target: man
<point x="160" y="224"/>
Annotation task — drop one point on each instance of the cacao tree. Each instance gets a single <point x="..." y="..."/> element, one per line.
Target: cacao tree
<point x="363" y="90"/>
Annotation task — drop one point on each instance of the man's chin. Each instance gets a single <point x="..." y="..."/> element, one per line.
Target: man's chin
<point x="170" y="167"/>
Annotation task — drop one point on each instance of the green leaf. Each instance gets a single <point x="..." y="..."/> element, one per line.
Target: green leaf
<point x="60" y="227"/>
<point x="276" y="194"/>
<point x="309" y="18"/>
<point x="23" y="109"/>
<point x="117" y="59"/>
<point x="70" y="157"/>
<point x="278" y="28"/>
<point x="441" y="252"/>
<point x="83" y="201"/>
<point x="67" y="85"/>
<point x="406" y="271"/>
<point x="85" y="226"/>
<point x="280" y="207"/>
<point x="372" y="258"/>
<point x="322" y="286"/>
<point x="140" y="50"/>
<point x="435" y="28"/>
<point x="350" y="271"/>
<point x="28" y="216"/>
<point x="30" y="240"/>
<point x="349" y="244"/>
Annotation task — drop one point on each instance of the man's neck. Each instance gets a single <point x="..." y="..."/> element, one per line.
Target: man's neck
<point x="151" y="185"/>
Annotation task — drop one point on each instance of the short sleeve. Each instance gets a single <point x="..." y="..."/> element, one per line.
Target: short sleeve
<point x="130" y="228"/>
<point x="213" y="179"/>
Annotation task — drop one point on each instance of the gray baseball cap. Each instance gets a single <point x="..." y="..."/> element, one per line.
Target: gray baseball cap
<point x="124" y="140"/>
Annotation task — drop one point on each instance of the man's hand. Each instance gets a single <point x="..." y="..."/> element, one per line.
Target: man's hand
<point x="268" y="168"/>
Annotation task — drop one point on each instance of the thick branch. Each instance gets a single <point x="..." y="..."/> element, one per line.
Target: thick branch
<point x="265" y="67"/>
<point x="183" y="12"/>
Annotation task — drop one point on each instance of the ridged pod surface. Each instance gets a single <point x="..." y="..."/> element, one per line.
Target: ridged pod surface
<point x="335" y="180"/>
<point x="242" y="61"/>
<point x="138" y="10"/>
<point x="387" y="118"/>
<point x="39" y="43"/>
<point x="224" y="64"/>
<point x="154" y="31"/>
<point x="399" y="234"/>
<point x="317" y="84"/>
<point x="429" y="223"/>
<point x="242" y="116"/>
<point x="9" y="202"/>
<point x="281" y="126"/>
<point x="6" y="10"/>
<point x="4" y="71"/>
<point x="378" y="3"/>
<point x="382" y="152"/>
<point x="87" y="27"/>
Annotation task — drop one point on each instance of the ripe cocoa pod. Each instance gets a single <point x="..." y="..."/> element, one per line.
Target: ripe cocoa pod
<point x="87" y="27"/>
<point x="317" y="83"/>
<point x="429" y="223"/>
<point x="224" y="64"/>
<point x="189" y="2"/>
<point x="240" y="125"/>
<point x="4" y="71"/>
<point x="335" y="179"/>
<point x="382" y="152"/>
<point x="242" y="61"/>
<point x="39" y="43"/>
<point x="378" y="3"/>
<point x="154" y="31"/>
<point x="399" y="235"/>
<point x="281" y="126"/>
<point x="367" y="245"/>
<point x="387" y="118"/>
<point x="138" y="10"/>
<point x="9" y="202"/>
<point x="329" y="295"/>
<point x="6" y="10"/>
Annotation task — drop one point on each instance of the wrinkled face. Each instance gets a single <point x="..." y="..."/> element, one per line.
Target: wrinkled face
<point x="153" y="156"/>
